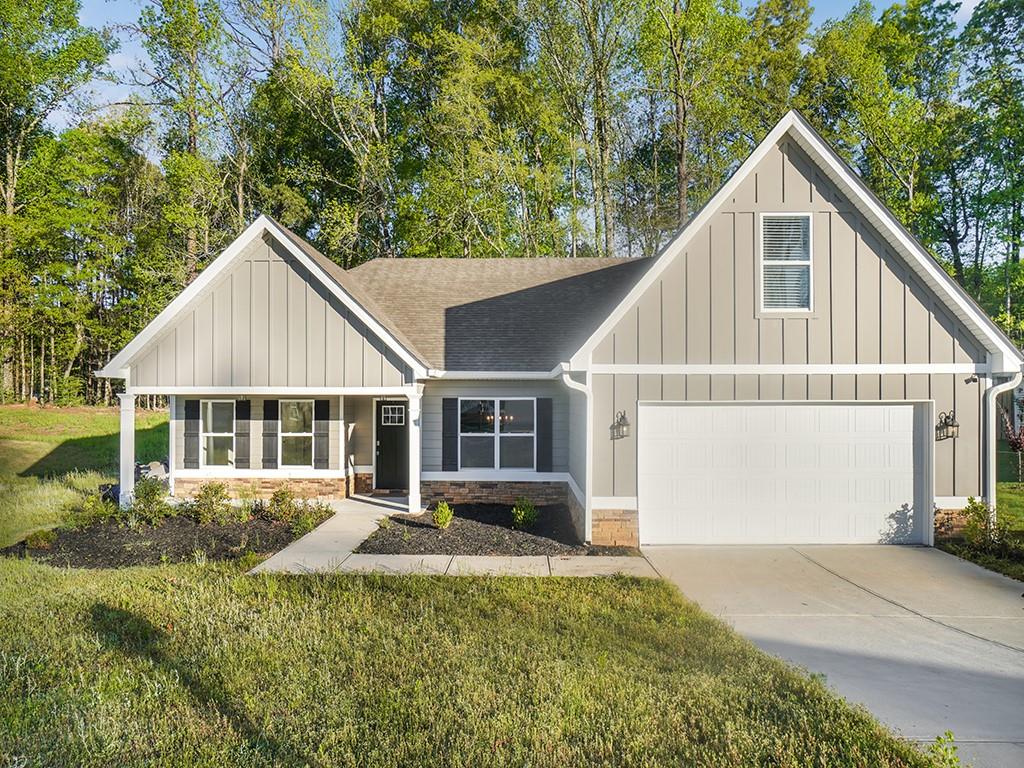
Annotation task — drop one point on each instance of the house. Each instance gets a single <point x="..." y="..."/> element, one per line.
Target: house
<point x="793" y="367"/>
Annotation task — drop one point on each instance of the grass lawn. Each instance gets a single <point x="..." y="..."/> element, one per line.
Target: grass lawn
<point x="189" y="665"/>
<point x="51" y="457"/>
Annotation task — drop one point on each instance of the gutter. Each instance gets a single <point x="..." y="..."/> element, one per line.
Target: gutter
<point x="990" y="435"/>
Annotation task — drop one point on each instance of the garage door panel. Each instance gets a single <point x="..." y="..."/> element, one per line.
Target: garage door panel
<point x="801" y="473"/>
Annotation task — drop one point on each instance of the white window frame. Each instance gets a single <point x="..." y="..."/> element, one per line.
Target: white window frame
<point x="495" y="435"/>
<point x="389" y="411"/>
<point x="808" y="262"/>
<point x="204" y="434"/>
<point x="281" y="434"/>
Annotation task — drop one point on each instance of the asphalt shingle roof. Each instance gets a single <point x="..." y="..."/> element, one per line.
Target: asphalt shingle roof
<point x="487" y="314"/>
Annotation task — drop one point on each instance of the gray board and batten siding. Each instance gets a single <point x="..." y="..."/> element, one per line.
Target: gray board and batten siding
<point x="868" y="308"/>
<point x="267" y="323"/>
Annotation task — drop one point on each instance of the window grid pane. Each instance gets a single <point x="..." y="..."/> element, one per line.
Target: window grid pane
<point x="517" y="416"/>
<point x="296" y="416"/>
<point x="787" y="286"/>
<point x="476" y="417"/>
<point x="477" y="452"/>
<point x="516" y="452"/>
<point x="296" y="450"/>
<point x="786" y="238"/>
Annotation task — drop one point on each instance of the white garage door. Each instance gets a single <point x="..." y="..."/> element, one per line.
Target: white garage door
<point x="777" y="474"/>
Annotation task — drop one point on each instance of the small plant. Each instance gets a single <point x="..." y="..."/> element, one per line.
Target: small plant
<point x="199" y="557"/>
<point x="443" y="514"/>
<point x="149" y="502"/>
<point x="248" y="560"/>
<point x="384" y="523"/>
<point x="524" y="513"/>
<point x="282" y="507"/>
<point x="211" y="504"/>
<point x="309" y="515"/>
<point x="95" y="509"/>
<point x="943" y="751"/>
<point x="44" y="539"/>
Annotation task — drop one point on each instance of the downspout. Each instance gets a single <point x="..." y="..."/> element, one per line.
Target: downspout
<point x="585" y="389"/>
<point x="990" y="435"/>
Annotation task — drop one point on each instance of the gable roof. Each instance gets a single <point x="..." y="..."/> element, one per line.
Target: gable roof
<point x="493" y="315"/>
<point x="319" y="266"/>
<point x="1003" y="355"/>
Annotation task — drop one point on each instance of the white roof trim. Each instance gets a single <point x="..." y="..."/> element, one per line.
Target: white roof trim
<point x="1003" y="355"/>
<point x="117" y="368"/>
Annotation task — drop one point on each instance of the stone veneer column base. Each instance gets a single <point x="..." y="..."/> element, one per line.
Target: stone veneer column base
<point x="615" y="528"/>
<point x="949" y="523"/>
<point x="264" y="487"/>
<point x="492" y="491"/>
<point x="361" y="483"/>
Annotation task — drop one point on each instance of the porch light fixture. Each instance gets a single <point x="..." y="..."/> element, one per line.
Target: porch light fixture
<point x="620" y="427"/>
<point x="947" y="426"/>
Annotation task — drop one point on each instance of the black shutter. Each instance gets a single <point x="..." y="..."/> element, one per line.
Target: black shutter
<point x="543" y="432"/>
<point x="191" y="458"/>
<point x="243" y="412"/>
<point x="321" y="434"/>
<point x="270" y="434"/>
<point x="450" y="434"/>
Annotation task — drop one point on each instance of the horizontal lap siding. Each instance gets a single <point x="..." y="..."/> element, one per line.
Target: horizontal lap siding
<point x="435" y="392"/>
<point x="268" y="322"/>
<point x="867" y="309"/>
<point x="359" y="418"/>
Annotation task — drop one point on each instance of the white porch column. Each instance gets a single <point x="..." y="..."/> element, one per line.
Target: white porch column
<point x="414" y="450"/>
<point x="127" y="448"/>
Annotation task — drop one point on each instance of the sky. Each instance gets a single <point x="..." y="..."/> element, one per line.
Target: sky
<point x="112" y="13"/>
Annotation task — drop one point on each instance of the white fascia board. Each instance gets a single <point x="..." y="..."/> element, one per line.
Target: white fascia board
<point x="419" y="370"/>
<point x="279" y="391"/>
<point x="811" y="369"/>
<point x="508" y="475"/>
<point x="1004" y="357"/>
<point x="118" y="366"/>
<point x="581" y="359"/>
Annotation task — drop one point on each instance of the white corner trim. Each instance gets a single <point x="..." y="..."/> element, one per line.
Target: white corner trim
<point x="507" y="475"/>
<point x="360" y="469"/>
<point x="1005" y="358"/>
<point x="614" y="502"/>
<point x="117" y="366"/>
<point x="950" y="502"/>
<point x="171" y="457"/>
<point x="810" y="369"/>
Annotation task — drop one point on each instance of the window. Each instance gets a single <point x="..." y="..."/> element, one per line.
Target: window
<point x="786" y="262"/>
<point x="218" y="433"/>
<point x="392" y="415"/>
<point x="497" y="433"/>
<point x="296" y="433"/>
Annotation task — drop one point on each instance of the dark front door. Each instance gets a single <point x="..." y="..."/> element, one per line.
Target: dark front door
<point x="392" y="445"/>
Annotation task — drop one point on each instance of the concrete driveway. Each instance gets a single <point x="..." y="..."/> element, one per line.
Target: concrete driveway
<point x="926" y="641"/>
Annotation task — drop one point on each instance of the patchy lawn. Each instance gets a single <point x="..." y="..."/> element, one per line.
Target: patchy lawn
<point x="200" y="666"/>
<point x="50" y="458"/>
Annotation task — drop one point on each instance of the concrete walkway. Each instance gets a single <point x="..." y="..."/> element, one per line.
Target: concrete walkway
<point x="328" y="549"/>
<point x="926" y="641"/>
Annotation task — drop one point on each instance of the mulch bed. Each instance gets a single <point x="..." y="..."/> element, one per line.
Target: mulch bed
<point x="482" y="529"/>
<point x="176" y="539"/>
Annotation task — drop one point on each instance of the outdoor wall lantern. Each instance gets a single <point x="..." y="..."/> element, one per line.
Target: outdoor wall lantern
<point x="947" y="426"/>
<point x="620" y="427"/>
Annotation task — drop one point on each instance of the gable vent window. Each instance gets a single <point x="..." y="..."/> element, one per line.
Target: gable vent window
<point x="786" y="262"/>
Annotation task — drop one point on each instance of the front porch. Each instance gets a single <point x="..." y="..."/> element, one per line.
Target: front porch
<point x="321" y="443"/>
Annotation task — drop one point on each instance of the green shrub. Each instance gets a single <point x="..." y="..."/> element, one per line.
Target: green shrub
<point x="43" y="539"/>
<point x="248" y="560"/>
<point x="443" y="514"/>
<point x="524" y="513"/>
<point x="149" y="502"/>
<point x="308" y="515"/>
<point x="282" y="507"/>
<point x="95" y="509"/>
<point x="212" y="505"/>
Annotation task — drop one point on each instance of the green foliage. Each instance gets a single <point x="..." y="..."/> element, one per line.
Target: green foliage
<point x="43" y="539"/>
<point x="524" y="513"/>
<point x="990" y="538"/>
<point x="149" y="501"/>
<point x="282" y="506"/>
<point x="211" y="504"/>
<point x="943" y="751"/>
<point x="308" y="515"/>
<point x="442" y="514"/>
<point x="95" y="509"/>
